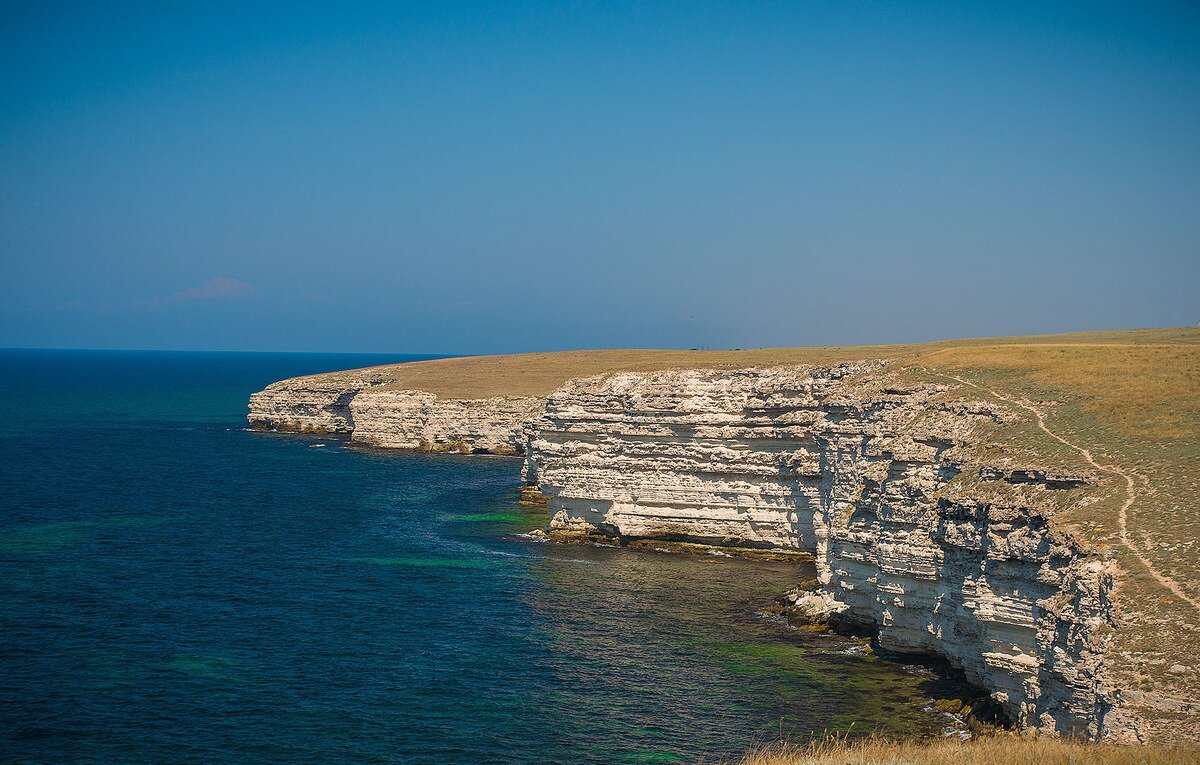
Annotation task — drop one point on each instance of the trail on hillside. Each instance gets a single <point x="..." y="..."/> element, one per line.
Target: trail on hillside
<point x="1130" y="489"/>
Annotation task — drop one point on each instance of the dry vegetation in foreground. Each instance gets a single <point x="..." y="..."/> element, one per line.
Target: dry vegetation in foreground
<point x="997" y="750"/>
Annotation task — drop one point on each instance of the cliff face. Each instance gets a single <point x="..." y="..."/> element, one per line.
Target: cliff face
<point x="401" y="419"/>
<point x="722" y="458"/>
<point x="374" y="414"/>
<point x="292" y="405"/>
<point x="942" y="553"/>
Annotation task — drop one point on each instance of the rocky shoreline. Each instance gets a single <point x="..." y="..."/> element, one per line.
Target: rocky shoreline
<point x="920" y="534"/>
<point x="372" y="414"/>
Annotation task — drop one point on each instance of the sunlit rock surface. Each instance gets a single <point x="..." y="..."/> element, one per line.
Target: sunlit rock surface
<point x="400" y="419"/>
<point x="360" y="403"/>
<point x="843" y="461"/>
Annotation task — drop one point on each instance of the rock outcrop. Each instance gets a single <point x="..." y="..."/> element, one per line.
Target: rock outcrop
<point x="913" y="538"/>
<point x="405" y="419"/>
<point x="373" y="413"/>
<point x="313" y="403"/>
<point x="722" y="458"/>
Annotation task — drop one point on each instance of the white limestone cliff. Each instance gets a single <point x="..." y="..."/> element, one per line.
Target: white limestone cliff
<point x="363" y="405"/>
<point x="840" y="461"/>
<point x="313" y="403"/>
<point x="404" y="419"/>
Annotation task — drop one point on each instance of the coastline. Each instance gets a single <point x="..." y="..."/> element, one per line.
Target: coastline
<point x="662" y="436"/>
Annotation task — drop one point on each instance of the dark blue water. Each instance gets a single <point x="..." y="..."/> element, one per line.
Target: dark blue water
<point x="177" y="589"/>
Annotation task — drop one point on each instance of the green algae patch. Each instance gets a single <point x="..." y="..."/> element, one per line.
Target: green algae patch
<point x="495" y="517"/>
<point x="46" y="537"/>
<point x="760" y="657"/>
<point x="415" y="562"/>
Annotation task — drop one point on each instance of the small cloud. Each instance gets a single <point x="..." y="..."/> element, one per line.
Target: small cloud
<point x="221" y="287"/>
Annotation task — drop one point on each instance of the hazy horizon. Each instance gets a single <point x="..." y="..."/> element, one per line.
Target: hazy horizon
<point x="473" y="178"/>
<point x="450" y="354"/>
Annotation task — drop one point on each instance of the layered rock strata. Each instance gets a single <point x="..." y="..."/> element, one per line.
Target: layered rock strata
<point x="404" y="419"/>
<point x="305" y="407"/>
<point x="372" y="413"/>
<point x="874" y="478"/>
<point x="314" y="403"/>
<point x="723" y="458"/>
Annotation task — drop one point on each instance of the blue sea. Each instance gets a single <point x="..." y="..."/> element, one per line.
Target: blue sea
<point x="177" y="589"/>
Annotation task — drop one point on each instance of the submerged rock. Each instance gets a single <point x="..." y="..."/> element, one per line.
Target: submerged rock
<point x="810" y="608"/>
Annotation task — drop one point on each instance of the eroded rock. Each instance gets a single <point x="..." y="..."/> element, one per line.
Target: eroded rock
<point x="840" y="461"/>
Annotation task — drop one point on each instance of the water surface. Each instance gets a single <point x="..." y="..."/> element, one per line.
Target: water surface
<point x="177" y="589"/>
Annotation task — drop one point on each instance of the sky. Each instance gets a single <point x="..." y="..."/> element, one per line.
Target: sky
<point x="482" y="178"/>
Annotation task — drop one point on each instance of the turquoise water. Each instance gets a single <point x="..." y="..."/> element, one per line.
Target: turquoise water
<point x="178" y="589"/>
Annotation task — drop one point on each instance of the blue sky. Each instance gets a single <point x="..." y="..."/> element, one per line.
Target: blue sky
<point x="474" y="178"/>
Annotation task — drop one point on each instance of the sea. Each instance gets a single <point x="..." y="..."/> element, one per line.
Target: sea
<point x="176" y="588"/>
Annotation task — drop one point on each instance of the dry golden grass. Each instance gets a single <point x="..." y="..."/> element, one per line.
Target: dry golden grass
<point x="1143" y="389"/>
<point x="1085" y="360"/>
<point x="538" y="374"/>
<point x="998" y="750"/>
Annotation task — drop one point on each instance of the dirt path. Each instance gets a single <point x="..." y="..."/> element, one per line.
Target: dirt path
<point x="1130" y="491"/>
